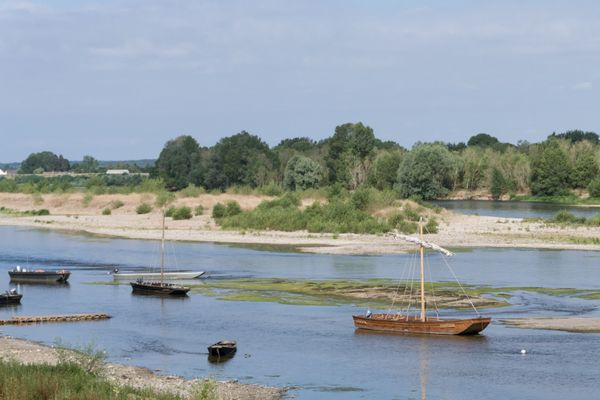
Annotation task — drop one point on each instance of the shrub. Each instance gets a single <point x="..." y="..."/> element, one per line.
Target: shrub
<point x="170" y="211"/>
<point x="143" y="208"/>
<point x="233" y="208"/>
<point x="219" y="211"/>
<point x="116" y="204"/>
<point x="431" y="226"/>
<point x="360" y="199"/>
<point x="272" y="189"/>
<point x="198" y="210"/>
<point x="192" y="191"/>
<point x="563" y="216"/>
<point x="87" y="199"/>
<point x="182" y="213"/>
<point x="594" y="187"/>
<point x="411" y="214"/>
<point x="106" y="211"/>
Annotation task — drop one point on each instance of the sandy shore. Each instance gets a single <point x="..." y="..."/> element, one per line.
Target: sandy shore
<point x="28" y="352"/>
<point x="69" y="212"/>
<point x="567" y="324"/>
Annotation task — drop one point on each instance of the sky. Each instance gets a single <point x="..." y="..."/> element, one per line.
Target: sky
<point x="116" y="79"/>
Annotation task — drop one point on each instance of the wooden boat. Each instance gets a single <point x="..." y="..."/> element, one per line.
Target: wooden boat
<point x="38" y="275"/>
<point x="222" y="349"/>
<point x="10" y="297"/>
<point x="161" y="288"/>
<point x="174" y="275"/>
<point x="421" y="324"/>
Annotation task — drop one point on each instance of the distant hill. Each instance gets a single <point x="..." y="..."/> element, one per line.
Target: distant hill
<point x="104" y="164"/>
<point x="10" y="165"/>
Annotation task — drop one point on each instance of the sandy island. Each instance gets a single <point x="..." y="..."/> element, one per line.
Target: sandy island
<point x="28" y="352"/>
<point x="566" y="324"/>
<point x="69" y="212"/>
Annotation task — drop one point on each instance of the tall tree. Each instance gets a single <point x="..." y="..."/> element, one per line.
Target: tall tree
<point x="426" y="171"/>
<point x="179" y="162"/>
<point x="46" y="161"/>
<point x="384" y="172"/>
<point x="241" y="159"/>
<point x="302" y="173"/>
<point x="550" y="170"/>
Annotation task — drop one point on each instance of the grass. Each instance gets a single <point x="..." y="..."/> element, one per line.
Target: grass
<point x="26" y="213"/>
<point x="65" y="381"/>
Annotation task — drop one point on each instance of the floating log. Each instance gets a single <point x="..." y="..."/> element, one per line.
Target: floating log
<point x="53" y="318"/>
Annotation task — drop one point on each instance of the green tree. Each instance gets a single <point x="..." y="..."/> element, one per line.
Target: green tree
<point x="89" y="164"/>
<point x="550" y="170"/>
<point x="577" y="135"/>
<point x="384" y="172"/>
<point x="426" y="171"/>
<point x="350" y="149"/>
<point x="498" y="184"/>
<point x="241" y="159"/>
<point x="584" y="170"/>
<point x="179" y="163"/>
<point x="302" y="173"/>
<point x="45" y="160"/>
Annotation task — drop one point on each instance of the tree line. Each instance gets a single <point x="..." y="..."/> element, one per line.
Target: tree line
<point x="353" y="157"/>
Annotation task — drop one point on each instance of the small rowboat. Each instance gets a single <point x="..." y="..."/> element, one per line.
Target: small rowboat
<point x="222" y="349"/>
<point x="10" y="297"/>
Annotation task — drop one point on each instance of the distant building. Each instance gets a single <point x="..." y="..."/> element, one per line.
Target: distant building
<point x="2" y="172"/>
<point x="117" y="172"/>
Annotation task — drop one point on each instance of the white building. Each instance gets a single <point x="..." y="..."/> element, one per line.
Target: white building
<point x="117" y="172"/>
<point x="2" y="172"/>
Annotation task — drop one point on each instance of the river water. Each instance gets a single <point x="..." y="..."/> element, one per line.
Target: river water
<point x="314" y="349"/>
<point x="513" y="209"/>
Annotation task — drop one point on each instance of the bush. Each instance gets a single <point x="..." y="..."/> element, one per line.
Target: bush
<point x="143" y="208"/>
<point x="361" y="198"/>
<point x="170" y="211"/>
<point x="198" y="210"/>
<point x="106" y="211"/>
<point x="192" y="191"/>
<point x="272" y="189"/>
<point x="233" y="208"/>
<point x="219" y="211"/>
<point x="563" y="216"/>
<point x="182" y="213"/>
<point x="116" y="204"/>
<point x="431" y="226"/>
<point x="594" y="188"/>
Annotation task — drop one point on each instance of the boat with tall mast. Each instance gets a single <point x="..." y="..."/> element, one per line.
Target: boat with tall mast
<point x="140" y="286"/>
<point x="421" y="324"/>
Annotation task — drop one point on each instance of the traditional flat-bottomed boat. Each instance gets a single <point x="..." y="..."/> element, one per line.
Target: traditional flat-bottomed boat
<point x="404" y="322"/>
<point x="222" y="349"/>
<point x="10" y="297"/>
<point x="38" y="275"/>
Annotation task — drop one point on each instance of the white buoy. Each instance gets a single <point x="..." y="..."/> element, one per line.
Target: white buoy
<point x="523" y="351"/>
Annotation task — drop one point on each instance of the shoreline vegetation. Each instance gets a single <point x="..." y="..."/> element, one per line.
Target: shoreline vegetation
<point x="32" y="371"/>
<point x="81" y="213"/>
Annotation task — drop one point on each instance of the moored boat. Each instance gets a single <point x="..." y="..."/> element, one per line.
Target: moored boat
<point x="38" y="275"/>
<point x="158" y="288"/>
<point x="421" y="324"/>
<point x="222" y="349"/>
<point x="10" y="297"/>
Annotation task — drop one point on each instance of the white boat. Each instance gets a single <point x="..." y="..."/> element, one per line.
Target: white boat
<point x="157" y="276"/>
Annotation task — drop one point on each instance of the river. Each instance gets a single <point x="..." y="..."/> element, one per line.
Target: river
<point x="314" y="349"/>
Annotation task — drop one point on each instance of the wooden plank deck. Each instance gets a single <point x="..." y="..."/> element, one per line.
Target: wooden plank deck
<point x="53" y="318"/>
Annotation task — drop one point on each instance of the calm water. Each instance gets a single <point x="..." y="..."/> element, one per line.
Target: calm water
<point x="313" y="348"/>
<point x="513" y="209"/>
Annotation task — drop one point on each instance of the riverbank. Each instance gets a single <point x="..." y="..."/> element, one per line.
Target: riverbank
<point x="27" y="352"/>
<point x="71" y="213"/>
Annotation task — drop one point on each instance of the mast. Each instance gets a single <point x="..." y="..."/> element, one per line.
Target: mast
<point x="422" y="251"/>
<point x="162" y="250"/>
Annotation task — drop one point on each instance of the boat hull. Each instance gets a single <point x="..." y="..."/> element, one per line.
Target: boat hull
<point x="432" y="326"/>
<point x="159" y="289"/>
<point x="10" y="299"/>
<point x="156" y="275"/>
<point x="39" y="277"/>
<point x="223" y="349"/>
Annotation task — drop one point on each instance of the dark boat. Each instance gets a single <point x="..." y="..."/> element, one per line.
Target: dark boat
<point x="158" y="288"/>
<point x="10" y="297"/>
<point x="421" y="324"/>
<point x="222" y="349"/>
<point x="38" y="275"/>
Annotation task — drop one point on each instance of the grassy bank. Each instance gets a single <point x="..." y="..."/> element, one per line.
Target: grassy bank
<point x="71" y="382"/>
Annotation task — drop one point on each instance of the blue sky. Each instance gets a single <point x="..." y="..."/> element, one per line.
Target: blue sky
<point x="116" y="79"/>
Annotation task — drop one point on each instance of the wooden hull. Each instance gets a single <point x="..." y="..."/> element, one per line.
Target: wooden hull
<point x="222" y="349"/>
<point x="158" y="289"/>
<point x="39" y="276"/>
<point x="432" y="326"/>
<point x="156" y="275"/>
<point x="10" y="299"/>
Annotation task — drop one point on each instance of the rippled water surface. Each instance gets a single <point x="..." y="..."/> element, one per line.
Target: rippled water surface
<point x="315" y="349"/>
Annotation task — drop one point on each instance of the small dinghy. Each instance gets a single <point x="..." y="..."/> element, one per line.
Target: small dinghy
<point x="222" y="349"/>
